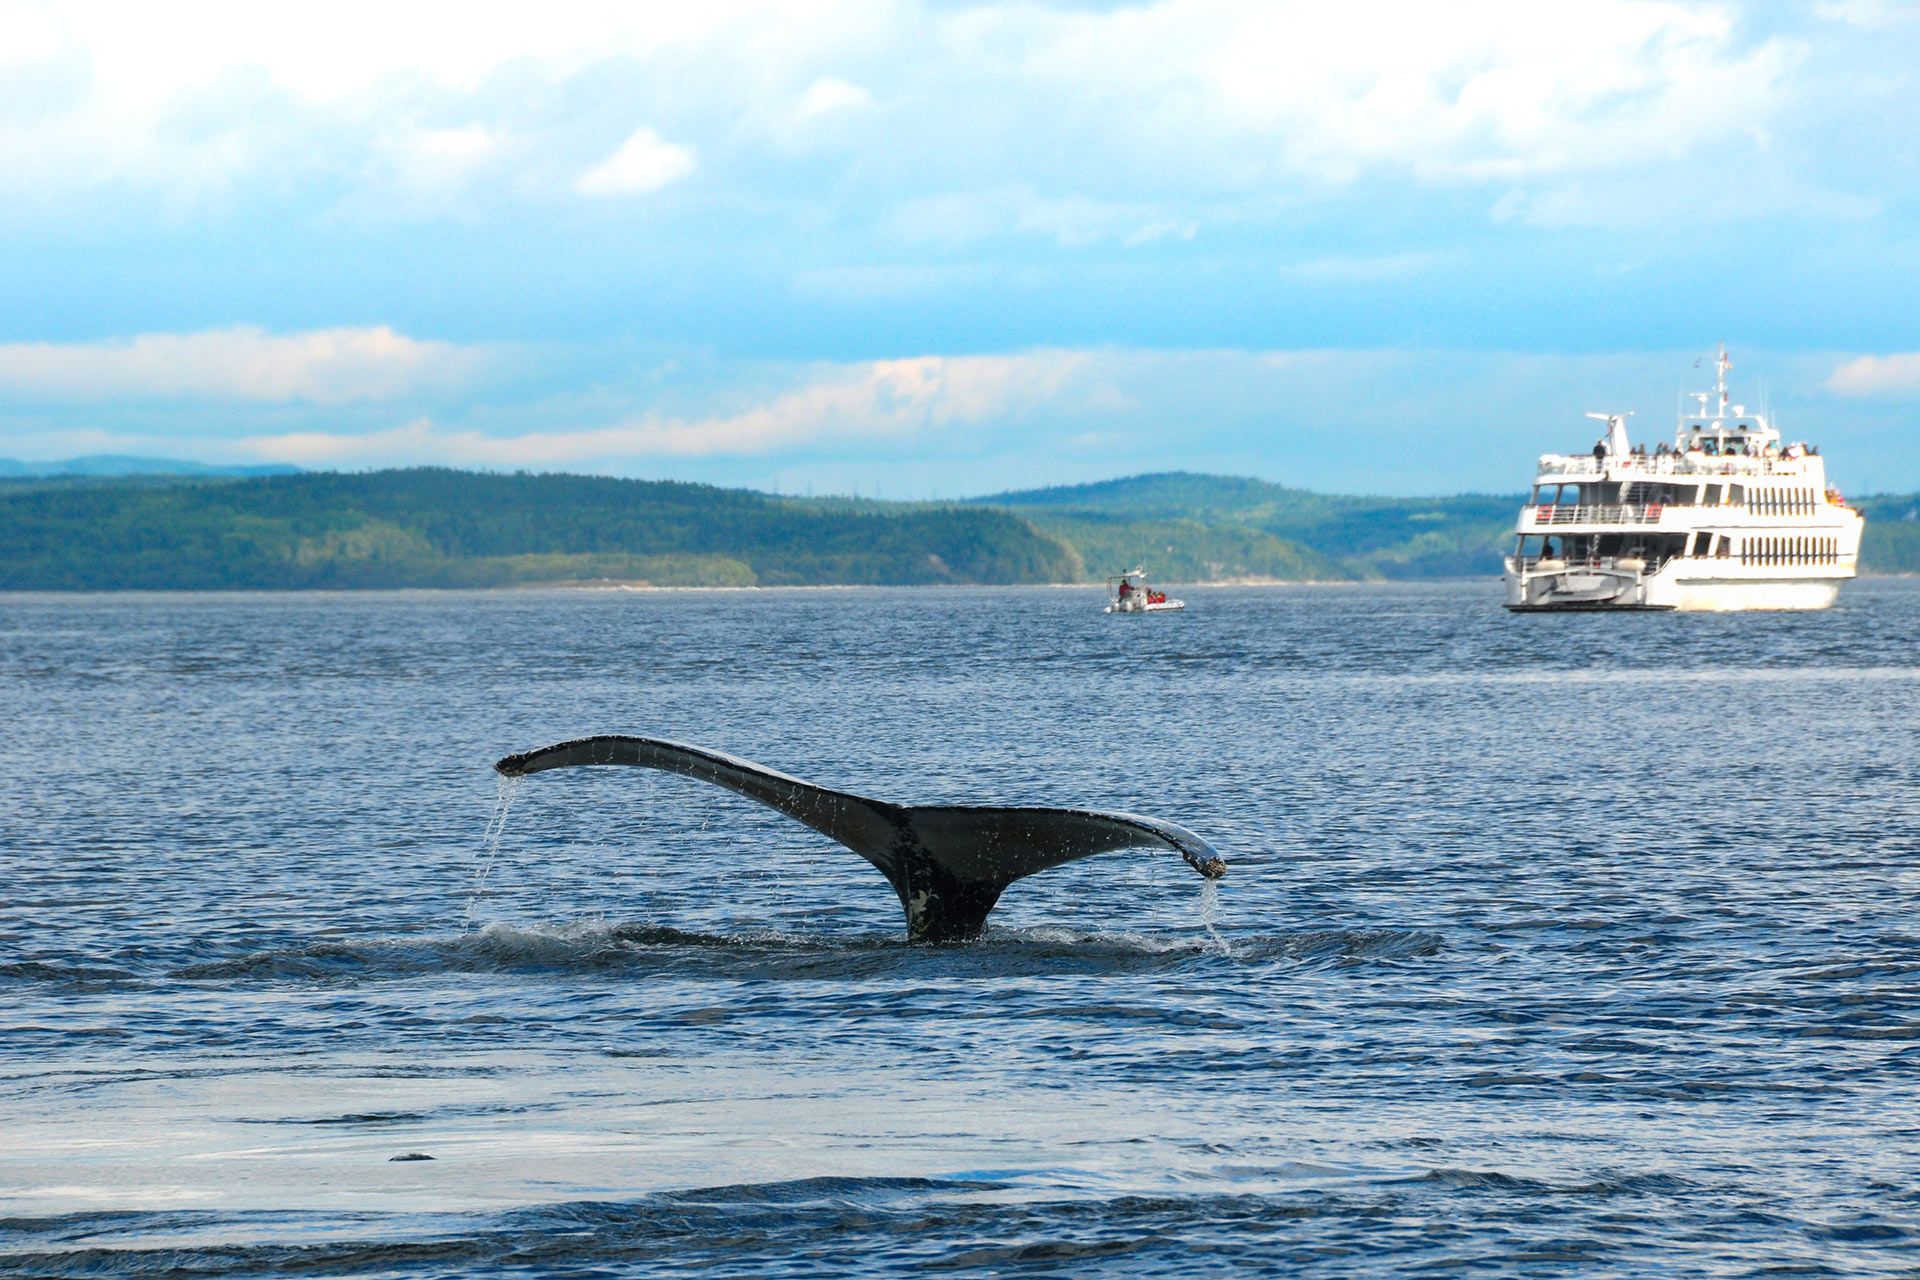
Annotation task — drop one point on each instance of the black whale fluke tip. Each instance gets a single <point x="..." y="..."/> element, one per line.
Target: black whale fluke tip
<point x="1214" y="868"/>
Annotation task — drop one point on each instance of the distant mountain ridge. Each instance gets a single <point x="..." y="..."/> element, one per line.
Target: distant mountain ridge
<point x="118" y="464"/>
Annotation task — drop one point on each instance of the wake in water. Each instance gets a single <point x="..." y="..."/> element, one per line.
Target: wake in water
<point x="627" y="950"/>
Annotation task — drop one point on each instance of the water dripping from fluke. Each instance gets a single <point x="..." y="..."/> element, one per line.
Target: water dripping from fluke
<point x="1210" y="918"/>
<point x="508" y="787"/>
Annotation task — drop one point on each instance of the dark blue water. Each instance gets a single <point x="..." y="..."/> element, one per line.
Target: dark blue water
<point x="1550" y="945"/>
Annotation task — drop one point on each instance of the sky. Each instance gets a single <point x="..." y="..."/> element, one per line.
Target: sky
<point x="936" y="249"/>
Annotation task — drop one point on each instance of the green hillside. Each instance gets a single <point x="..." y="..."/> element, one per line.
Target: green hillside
<point x="1303" y="534"/>
<point x="440" y="528"/>
<point x="1891" y="543"/>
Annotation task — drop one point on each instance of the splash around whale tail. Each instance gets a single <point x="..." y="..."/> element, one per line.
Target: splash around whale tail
<point x="949" y="864"/>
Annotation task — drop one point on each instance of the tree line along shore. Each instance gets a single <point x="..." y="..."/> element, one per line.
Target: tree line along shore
<point x="435" y="527"/>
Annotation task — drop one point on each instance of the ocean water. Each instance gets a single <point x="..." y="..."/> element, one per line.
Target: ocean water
<point x="1550" y="945"/>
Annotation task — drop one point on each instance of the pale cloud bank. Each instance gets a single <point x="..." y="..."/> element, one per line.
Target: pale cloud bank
<point x="1218" y="96"/>
<point x="1342" y="420"/>
<point x="1877" y="375"/>
<point x="1874" y="15"/>
<point x="321" y="366"/>
<point x="870" y="400"/>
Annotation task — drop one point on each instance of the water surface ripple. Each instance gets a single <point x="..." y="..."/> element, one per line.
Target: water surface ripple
<point x="1580" y="945"/>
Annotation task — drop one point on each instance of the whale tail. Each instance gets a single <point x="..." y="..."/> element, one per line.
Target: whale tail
<point x="949" y="864"/>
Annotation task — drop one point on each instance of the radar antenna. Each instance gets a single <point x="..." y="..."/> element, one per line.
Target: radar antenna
<point x="1617" y="443"/>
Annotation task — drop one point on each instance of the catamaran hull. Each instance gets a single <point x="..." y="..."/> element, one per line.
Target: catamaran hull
<point x="1589" y="591"/>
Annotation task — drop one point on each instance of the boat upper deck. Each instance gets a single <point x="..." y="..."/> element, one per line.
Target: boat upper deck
<point x="1725" y="442"/>
<point x="1797" y="461"/>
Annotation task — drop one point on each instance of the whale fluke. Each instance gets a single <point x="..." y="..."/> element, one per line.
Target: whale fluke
<point x="948" y="863"/>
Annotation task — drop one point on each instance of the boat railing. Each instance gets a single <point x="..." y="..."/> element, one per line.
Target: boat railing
<point x="1578" y="464"/>
<point x="1569" y="513"/>
<point x="1554" y="564"/>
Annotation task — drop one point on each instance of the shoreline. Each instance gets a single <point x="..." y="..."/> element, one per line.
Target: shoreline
<point x="579" y="588"/>
<point x="614" y="588"/>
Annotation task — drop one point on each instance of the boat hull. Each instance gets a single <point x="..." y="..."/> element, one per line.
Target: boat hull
<point x="1687" y="585"/>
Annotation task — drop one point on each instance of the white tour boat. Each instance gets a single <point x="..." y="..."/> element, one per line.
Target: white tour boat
<point x="1129" y="593"/>
<point x="1726" y="518"/>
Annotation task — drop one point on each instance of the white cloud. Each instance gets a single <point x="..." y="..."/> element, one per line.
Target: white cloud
<point x="872" y="400"/>
<point x="1360" y="268"/>
<point x="445" y="151"/>
<point x="321" y="366"/>
<point x="1877" y="375"/>
<point x="1874" y="15"/>
<point x="890" y="282"/>
<point x="645" y="162"/>
<point x="1070" y="222"/>
<point x="1497" y="88"/>
<point x="1172" y="96"/>
<point x="831" y="95"/>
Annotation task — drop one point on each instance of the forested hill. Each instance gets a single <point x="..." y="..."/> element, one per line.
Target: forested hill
<point x="1280" y="531"/>
<point x="441" y="528"/>
<point x="1891" y="543"/>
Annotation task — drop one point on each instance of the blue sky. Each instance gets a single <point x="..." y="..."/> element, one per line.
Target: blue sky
<point x="942" y="248"/>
